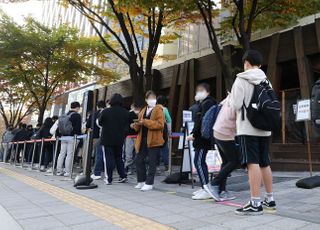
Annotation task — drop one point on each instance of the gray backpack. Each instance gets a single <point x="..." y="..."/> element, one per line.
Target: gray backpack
<point x="65" y="125"/>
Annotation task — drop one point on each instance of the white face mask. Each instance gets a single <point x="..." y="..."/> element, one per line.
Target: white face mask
<point x="136" y="112"/>
<point x="201" y="95"/>
<point x="151" y="102"/>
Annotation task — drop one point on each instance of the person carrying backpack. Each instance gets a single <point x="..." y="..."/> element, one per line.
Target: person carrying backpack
<point x="224" y="131"/>
<point x="201" y="144"/>
<point x="249" y="94"/>
<point x="68" y="126"/>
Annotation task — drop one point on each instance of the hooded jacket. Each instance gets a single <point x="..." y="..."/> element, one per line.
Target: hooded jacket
<point x="241" y="93"/>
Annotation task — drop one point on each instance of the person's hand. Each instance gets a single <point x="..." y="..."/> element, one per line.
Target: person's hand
<point x="132" y="125"/>
<point x="140" y="122"/>
<point x="190" y="138"/>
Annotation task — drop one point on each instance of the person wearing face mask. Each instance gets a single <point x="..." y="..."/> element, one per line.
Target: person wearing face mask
<point x="150" y="125"/>
<point x="202" y="145"/>
<point x="129" y="143"/>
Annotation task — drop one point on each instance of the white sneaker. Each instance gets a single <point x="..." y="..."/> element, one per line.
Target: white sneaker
<point x="49" y="170"/>
<point x="94" y="177"/>
<point x="196" y="192"/>
<point x="139" y="185"/>
<point x="66" y="174"/>
<point x="202" y="195"/>
<point x="106" y="181"/>
<point x="213" y="191"/>
<point x="42" y="168"/>
<point x="60" y="173"/>
<point x="146" y="187"/>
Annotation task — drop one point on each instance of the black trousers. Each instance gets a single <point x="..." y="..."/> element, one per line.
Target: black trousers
<point x="230" y="159"/>
<point x="47" y="156"/>
<point x="114" y="158"/>
<point x="146" y="163"/>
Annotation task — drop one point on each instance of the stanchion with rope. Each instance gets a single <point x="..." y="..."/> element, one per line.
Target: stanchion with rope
<point x="23" y="153"/>
<point x="33" y="153"/>
<point x="55" y="156"/>
<point x="16" y="154"/>
<point x="41" y="154"/>
<point x="85" y="181"/>
<point x="172" y="136"/>
<point x="6" y="153"/>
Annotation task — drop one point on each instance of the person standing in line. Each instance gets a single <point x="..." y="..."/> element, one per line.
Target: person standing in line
<point x="98" y="162"/>
<point x="150" y="125"/>
<point x="6" y="139"/>
<point x="254" y="143"/>
<point x="202" y="145"/>
<point x="129" y="143"/>
<point x="68" y="126"/>
<point x="44" y="132"/>
<point x="22" y="134"/>
<point x="224" y="134"/>
<point x="115" y="123"/>
<point x="164" y="153"/>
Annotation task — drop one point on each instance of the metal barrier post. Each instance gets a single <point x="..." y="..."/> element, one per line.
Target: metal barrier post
<point x="12" y="153"/>
<point x="6" y="153"/>
<point x="170" y="155"/>
<point x="41" y="153"/>
<point x="33" y="153"/>
<point x="55" y="156"/>
<point x="23" y="153"/>
<point x="16" y="154"/>
<point x="73" y="152"/>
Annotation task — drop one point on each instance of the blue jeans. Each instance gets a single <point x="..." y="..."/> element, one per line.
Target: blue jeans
<point x="98" y="165"/>
<point x="164" y="154"/>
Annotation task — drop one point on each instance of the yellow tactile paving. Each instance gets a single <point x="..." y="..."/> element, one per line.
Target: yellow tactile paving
<point x="111" y="214"/>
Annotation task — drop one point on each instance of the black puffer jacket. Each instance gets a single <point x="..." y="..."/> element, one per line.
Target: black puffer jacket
<point x="199" y="142"/>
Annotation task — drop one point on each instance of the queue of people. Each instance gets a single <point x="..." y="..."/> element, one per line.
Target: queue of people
<point x="239" y="137"/>
<point x="139" y="139"/>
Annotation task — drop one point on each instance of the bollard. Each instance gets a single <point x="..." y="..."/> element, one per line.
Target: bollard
<point x="41" y="153"/>
<point x="23" y="153"/>
<point x="33" y="153"/>
<point x="73" y="152"/>
<point x="54" y="157"/>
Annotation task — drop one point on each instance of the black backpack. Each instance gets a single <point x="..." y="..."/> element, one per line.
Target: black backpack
<point x="263" y="111"/>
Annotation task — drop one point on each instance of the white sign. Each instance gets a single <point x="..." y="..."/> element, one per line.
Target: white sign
<point x="186" y="116"/>
<point x="303" y="110"/>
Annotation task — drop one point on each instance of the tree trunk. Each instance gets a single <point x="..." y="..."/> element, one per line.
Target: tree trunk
<point x="136" y="76"/>
<point x="41" y="114"/>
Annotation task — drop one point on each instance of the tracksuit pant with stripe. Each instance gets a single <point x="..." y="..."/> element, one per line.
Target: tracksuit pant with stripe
<point x="201" y="165"/>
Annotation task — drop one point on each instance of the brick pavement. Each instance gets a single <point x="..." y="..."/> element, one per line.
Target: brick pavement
<point x="169" y="206"/>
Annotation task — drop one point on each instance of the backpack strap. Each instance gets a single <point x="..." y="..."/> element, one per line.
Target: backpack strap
<point x="242" y="110"/>
<point x="71" y="114"/>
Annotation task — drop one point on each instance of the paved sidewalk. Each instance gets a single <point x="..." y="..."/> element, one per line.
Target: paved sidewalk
<point x="36" y="205"/>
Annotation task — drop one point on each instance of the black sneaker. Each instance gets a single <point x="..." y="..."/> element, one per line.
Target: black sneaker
<point x="269" y="206"/>
<point x="122" y="180"/>
<point x="249" y="210"/>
